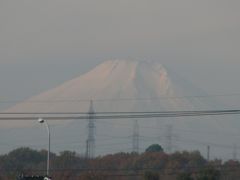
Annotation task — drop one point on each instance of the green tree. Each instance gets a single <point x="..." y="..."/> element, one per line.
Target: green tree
<point x="209" y="174"/>
<point x="154" y="148"/>
<point x="185" y="176"/>
<point x="22" y="158"/>
<point x="148" y="175"/>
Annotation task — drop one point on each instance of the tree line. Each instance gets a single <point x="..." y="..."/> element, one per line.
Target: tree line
<point x="153" y="164"/>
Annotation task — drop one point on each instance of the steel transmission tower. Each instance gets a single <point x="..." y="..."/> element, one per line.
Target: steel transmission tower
<point x="169" y="138"/>
<point x="135" y="137"/>
<point x="234" y="152"/>
<point x="90" y="143"/>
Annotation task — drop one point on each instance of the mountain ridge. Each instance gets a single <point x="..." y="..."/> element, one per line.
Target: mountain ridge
<point x="113" y="86"/>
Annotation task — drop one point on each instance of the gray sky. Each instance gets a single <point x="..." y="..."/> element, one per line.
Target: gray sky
<point x="43" y="43"/>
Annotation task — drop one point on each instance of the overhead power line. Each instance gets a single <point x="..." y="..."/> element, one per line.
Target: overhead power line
<point x="228" y="111"/>
<point x="116" y="115"/>
<point x="119" y="99"/>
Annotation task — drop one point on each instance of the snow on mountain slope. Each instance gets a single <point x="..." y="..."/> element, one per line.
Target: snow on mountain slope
<point x="112" y="80"/>
<point x="114" y="86"/>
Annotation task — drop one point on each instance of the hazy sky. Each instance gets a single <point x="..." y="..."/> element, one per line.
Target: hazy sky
<point x="43" y="43"/>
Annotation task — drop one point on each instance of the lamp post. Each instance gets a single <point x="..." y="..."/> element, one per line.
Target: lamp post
<point x="40" y="120"/>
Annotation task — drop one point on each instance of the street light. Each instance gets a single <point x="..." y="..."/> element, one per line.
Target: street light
<point x="40" y="120"/>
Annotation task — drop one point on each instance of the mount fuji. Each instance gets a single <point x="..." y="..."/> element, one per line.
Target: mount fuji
<point x="120" y="86"/>
<point x="112" y="81"/>
<point x="113" y="86"/>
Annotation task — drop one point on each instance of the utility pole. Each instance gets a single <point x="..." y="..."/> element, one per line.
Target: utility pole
<point x="169" y="136"/>
<point x="208" y="153"/>
<point x="90" y="142"/>
<point x="135" y="137"/>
